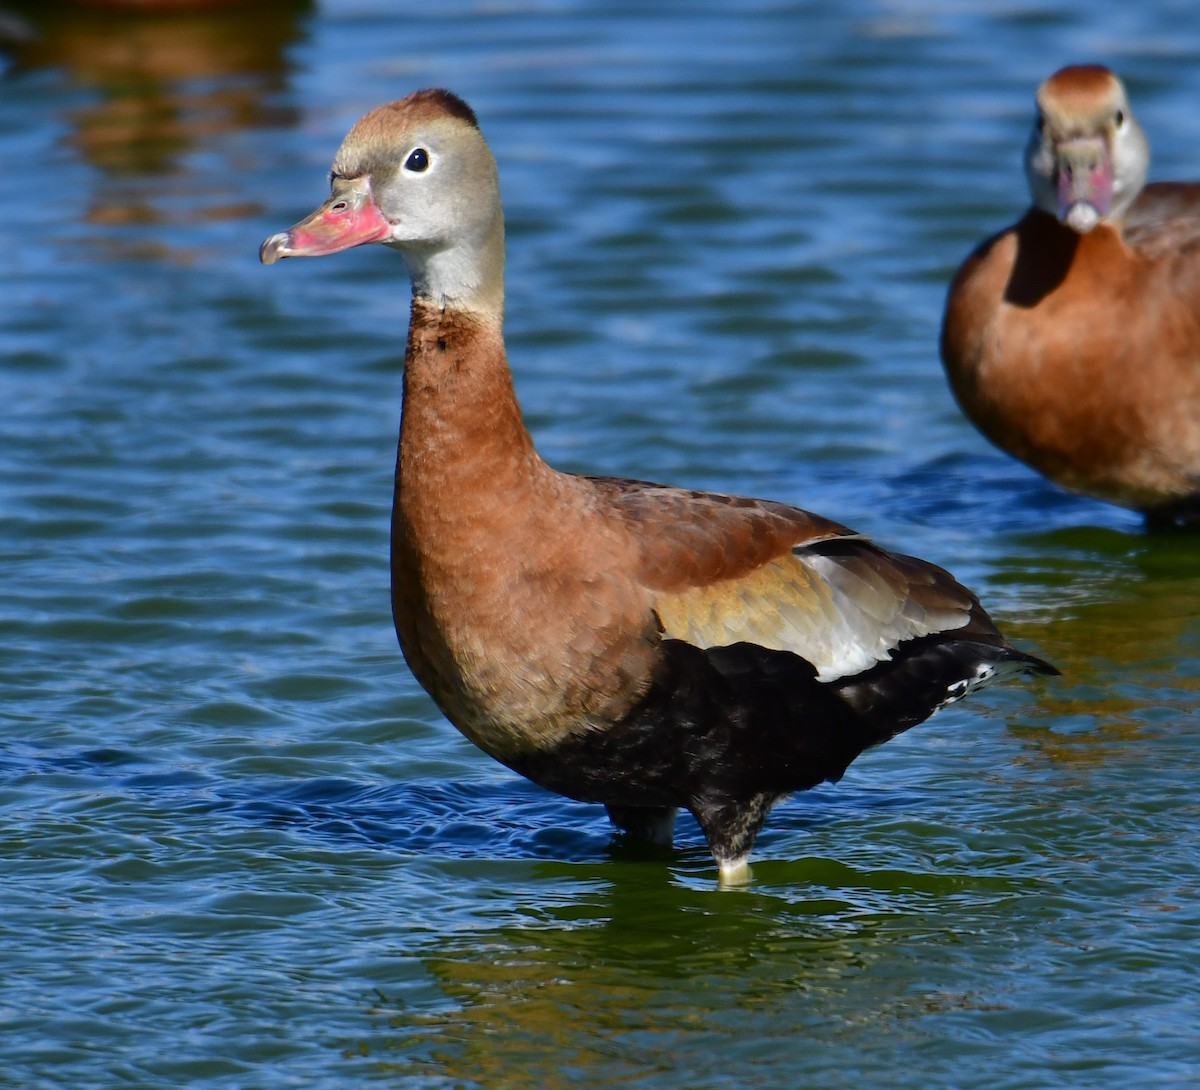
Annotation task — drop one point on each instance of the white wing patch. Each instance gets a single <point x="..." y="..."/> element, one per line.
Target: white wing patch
<point x="843" y="612"/>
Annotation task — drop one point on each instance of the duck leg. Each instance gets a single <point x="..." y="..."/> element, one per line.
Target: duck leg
<point x="653" y="824"/>
<point x="731" y="825"/>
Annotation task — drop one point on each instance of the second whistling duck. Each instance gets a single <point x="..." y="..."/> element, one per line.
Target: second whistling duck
<point x="619" y="642"/>
<point x="1072" y="339"/>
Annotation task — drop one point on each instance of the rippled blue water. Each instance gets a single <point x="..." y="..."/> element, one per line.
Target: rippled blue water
<point x="239" y="846"/>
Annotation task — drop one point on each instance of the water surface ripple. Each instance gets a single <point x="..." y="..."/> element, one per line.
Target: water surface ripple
<point x="241" y="848"/>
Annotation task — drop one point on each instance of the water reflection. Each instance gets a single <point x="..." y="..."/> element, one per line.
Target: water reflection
<point x="163" y="90"/>
<point x="612" y="983"/>
<point x="1124" y="630"/>
<point x="1121" y="600"/>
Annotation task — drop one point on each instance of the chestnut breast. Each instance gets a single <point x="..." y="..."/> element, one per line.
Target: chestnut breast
<point x="1078" y="354"/>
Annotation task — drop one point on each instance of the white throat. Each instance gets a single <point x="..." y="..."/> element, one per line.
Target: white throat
<point x="467" y="274"/>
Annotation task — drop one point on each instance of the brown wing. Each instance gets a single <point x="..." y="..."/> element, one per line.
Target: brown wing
<point x="687" y="538"/>
<point x="1164" y="218"/>
<point x="723" y="570"/>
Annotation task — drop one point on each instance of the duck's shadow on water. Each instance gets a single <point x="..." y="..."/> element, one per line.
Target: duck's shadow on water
<point x="435" y="831"/>
<point x="501" y="819"/>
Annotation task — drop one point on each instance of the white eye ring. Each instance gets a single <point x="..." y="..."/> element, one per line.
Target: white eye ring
<point x="417" y="161"/>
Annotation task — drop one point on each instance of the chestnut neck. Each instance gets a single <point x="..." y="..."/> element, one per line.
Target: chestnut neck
<point x="464" y="449"/>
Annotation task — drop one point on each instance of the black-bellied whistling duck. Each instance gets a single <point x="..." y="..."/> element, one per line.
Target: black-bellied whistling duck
<point x="626" y="643"/>
<point x="1072" y="339"/>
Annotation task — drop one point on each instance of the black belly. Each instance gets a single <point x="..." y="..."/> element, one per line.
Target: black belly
<point x="730" y="722"/>
<point x="740" y="722"/>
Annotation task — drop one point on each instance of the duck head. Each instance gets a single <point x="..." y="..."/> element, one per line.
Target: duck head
<point x="1087" y="157"/>
<point x="416" y="175"/>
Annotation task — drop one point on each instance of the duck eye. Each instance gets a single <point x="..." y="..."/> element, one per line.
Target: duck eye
<point x="1041" y="122"/>
<point x="1119" y="118"/>
<point x="417" y="161"/>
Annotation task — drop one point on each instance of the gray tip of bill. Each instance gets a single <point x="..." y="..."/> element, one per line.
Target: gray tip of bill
<point x="273" y="248"/>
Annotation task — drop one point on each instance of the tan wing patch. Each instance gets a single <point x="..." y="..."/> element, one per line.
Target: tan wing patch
<point x="843" y="613"/>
